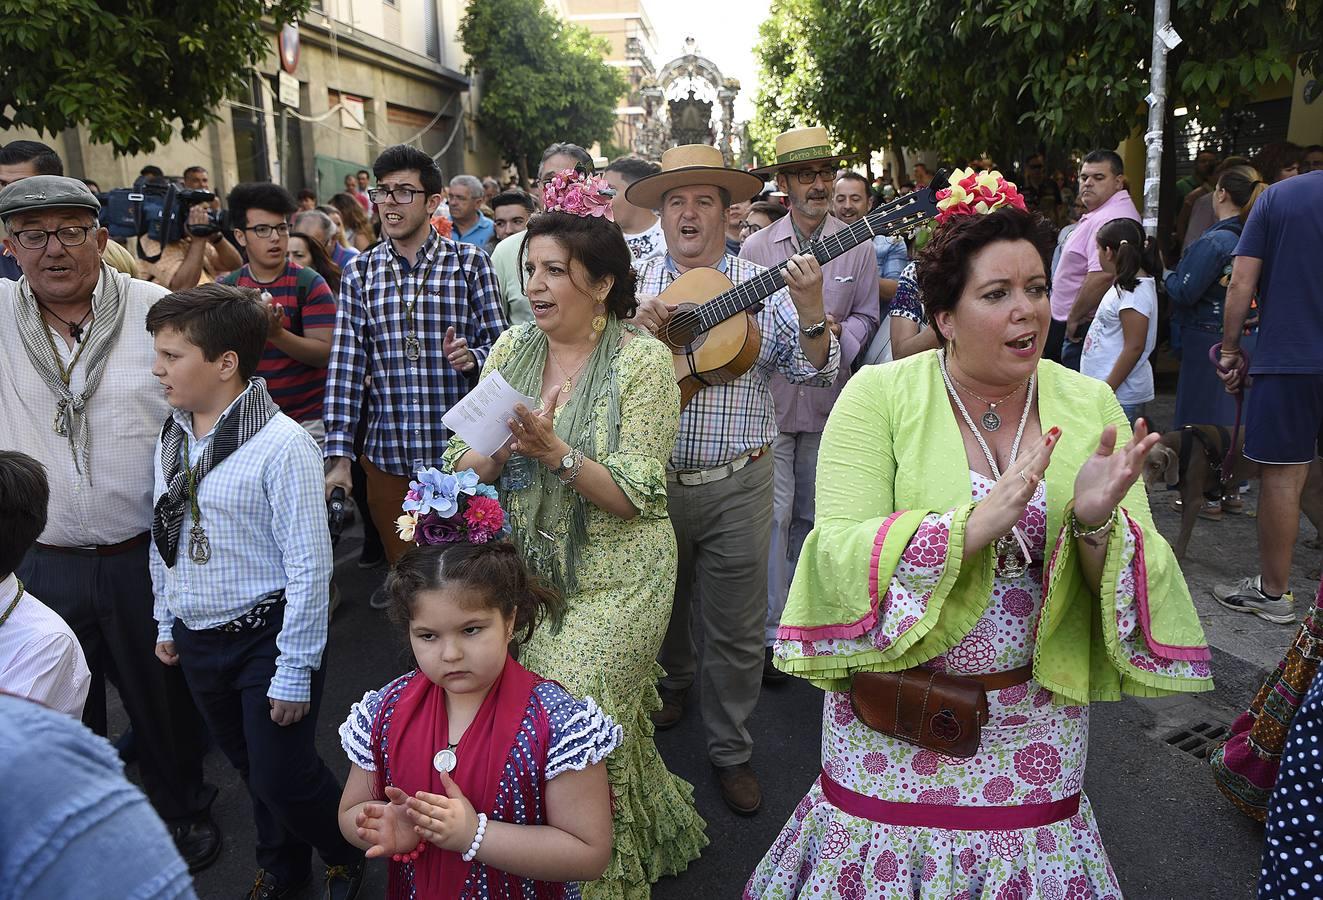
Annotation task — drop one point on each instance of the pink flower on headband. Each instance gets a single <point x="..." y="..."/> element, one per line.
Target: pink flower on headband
<point x="976" y="193"/>
<point x="579" y="194"/>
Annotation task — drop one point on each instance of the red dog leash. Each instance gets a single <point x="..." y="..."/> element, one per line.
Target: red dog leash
<point x="1242" y="366"/>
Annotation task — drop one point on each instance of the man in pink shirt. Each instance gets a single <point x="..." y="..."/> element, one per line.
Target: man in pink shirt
<point x="850" y="297"/>
<point x="1079" y="282"/>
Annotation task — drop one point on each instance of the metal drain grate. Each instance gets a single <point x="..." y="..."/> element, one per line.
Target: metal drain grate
<point x="1200" y="739"/>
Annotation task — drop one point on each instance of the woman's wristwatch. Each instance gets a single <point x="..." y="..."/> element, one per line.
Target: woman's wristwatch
<point x="570" y="465"/>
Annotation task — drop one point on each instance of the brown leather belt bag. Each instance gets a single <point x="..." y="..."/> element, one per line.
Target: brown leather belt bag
<point x="933" y="710"/>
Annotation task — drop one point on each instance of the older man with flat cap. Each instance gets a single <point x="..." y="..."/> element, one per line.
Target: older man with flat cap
<point x="719" y="481"/>
<point x="77" y="393"/>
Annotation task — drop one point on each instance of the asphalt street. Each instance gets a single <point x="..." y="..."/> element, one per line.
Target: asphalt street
<point x="1168" y="831"/>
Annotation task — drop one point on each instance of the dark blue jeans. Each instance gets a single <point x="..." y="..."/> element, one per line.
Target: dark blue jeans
<point x="296" y="799"/>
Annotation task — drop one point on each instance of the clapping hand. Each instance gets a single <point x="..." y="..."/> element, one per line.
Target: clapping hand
<point x="449" y="822"/>
<point x="535" y="437"/>
<point x="1106" y="475"/>
<point x="386" y="826"/>
<point x="997" y="513"/>
<point x="457" y="351"/>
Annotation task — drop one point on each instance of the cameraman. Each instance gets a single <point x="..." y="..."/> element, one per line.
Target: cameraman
<point x="191" y="260"/>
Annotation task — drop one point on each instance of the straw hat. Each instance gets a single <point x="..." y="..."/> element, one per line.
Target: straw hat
<point x="689" y="165"/>
<point x="802" y="145"/>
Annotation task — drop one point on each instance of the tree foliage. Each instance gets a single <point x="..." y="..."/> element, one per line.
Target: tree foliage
<point x="130" y="72"/>
<point x="542" y="79"/>
<point x="966" y="77"/>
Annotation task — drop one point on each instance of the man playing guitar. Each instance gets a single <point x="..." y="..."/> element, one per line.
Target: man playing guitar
<point x="719" y="483"/>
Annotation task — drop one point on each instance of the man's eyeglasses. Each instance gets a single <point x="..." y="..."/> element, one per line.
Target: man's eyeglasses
<point x="69" y="236"/>
<point x="265" y="231"/>
<point x="749" y="227"/>
<point x="400" y="195"/>
<point x="808" y="176"/>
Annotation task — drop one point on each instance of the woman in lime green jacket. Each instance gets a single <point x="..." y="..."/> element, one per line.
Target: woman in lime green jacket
<point x="979" y="516"/>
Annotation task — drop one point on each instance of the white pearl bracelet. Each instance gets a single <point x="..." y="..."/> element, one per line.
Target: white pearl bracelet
<point x="477" y="839"/>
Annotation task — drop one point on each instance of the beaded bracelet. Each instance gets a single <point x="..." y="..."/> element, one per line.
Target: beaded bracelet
<point x="477" y="839"/>
<point x="411" y="855"/>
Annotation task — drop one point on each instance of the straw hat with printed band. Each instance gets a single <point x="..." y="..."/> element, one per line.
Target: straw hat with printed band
<point x="803" y="145"/>
<point x="689" y="165"/>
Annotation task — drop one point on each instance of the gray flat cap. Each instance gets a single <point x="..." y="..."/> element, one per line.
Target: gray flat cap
<point x="45" y="192"/>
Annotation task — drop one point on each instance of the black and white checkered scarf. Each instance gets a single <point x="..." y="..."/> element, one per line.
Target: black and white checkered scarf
<point x="255" y="408"/>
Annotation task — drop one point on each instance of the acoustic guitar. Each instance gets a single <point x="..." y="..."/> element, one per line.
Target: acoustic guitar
<point x="713" y="334"/>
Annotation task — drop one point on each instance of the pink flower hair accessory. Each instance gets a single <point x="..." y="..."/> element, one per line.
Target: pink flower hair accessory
<point x="447" y="508"/>
<point x="976" y="193"/>
<point x="576" y="192"/>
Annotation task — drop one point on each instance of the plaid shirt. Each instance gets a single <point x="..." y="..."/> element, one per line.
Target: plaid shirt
<point x="265" y="517"/>
<point x="726" y="421"/>
<point x="454" y="285"/>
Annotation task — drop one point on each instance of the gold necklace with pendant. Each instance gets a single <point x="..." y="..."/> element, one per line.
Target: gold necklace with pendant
<point x="569" y="379"/>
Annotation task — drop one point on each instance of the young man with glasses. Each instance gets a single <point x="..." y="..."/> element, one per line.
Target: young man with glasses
<point x="806" y="171"/>
<point x="77" y="394"/>
<point x="418" y="313"/>
<point x="300" y="306"/>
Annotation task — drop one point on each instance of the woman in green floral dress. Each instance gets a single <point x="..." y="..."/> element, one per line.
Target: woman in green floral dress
<point x="585" y="486"/>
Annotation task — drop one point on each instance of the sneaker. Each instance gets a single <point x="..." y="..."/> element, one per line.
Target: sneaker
<point x="1247" y="596"/>
<point x="379" y="599"/>
<point x="1233" y="505"/>
<point x="268" y="887"/>
<point x="343" y="882"/>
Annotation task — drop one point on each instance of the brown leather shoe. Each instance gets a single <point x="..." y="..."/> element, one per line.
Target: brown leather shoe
<point x="672" y="709"/>
<point x="739" y="788"/>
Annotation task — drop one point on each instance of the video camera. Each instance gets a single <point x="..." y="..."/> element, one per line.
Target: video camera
<point x="157" y="211"/>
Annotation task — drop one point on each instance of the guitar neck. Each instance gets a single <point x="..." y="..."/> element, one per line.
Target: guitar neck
<point x="897" y="217"/>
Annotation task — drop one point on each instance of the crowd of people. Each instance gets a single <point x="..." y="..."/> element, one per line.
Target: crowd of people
<point x="920" y="491"/>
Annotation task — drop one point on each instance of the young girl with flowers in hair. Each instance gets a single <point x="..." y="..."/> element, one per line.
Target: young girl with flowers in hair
<point x="1125" y="328"/>
<point x="473" y="776"/>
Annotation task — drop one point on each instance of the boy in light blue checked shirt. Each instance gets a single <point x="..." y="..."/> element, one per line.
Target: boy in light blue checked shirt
<point x="241" y="566"/>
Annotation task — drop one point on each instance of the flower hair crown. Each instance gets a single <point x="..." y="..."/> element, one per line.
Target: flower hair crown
<point x="441" y="508"/>
<point x="576" y="192"/>
<point x="976" y="193"/>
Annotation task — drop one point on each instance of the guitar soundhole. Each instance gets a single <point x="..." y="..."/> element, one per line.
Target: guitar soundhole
<point x="945" y="726"/>
<point x="678" y="332"/>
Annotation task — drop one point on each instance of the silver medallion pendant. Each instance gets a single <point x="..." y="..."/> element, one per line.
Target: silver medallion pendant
<point x="199" y="548"/>
<point x="1009" y="562"/>
<point x="445" y="761"/>
<point x="412" y="348"/>
<point x="991" y="421"/>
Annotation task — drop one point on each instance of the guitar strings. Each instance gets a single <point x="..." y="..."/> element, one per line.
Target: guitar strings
<point x="739" y="297"/>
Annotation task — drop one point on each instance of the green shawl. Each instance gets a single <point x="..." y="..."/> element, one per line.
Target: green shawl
<point x="549" y="521"/>
<point x="892" y="453"/>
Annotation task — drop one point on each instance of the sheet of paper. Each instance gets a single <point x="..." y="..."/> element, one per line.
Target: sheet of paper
<point x="481" y="417"/>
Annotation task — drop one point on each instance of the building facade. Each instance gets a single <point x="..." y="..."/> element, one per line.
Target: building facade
<point x="632" y="40"/>
<point x="370" y="73"/>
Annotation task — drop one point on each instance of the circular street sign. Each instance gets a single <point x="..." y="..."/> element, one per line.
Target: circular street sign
<point x="289" y="47"/>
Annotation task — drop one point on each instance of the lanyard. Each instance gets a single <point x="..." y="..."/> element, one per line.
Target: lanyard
<point x="199" y="547"/>
<point x="413" y="349"/>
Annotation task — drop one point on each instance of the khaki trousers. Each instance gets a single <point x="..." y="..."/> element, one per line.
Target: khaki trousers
<point x="723" y="530"/>
<point x="385" y="493"/>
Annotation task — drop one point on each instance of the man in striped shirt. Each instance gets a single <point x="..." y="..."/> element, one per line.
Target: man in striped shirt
<point x="299" y="304"/>
<point x="418" y="313"/>
<point x="719" y="483"/>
